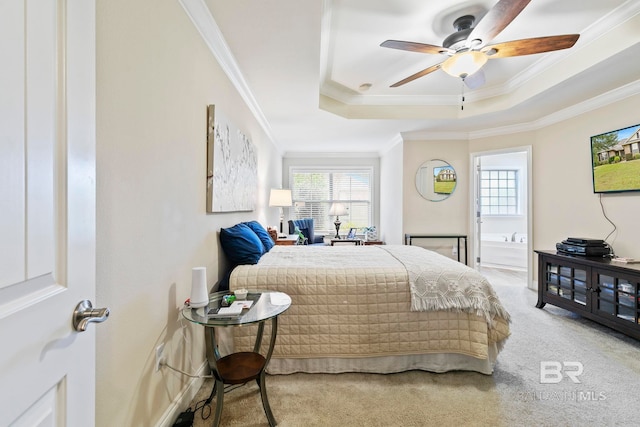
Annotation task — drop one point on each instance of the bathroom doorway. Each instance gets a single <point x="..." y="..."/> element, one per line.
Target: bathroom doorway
<point x="501" y="211"/>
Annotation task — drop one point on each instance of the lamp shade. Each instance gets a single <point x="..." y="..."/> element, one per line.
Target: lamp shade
<point x="280" y="198"/>
<point x="464" y="64"/>
<point x="337" y="209"/>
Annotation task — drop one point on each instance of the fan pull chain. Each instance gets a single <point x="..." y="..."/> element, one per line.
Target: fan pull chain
<point x="462" y="102"/>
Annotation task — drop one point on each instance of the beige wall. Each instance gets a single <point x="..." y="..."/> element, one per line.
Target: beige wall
<point x="155" y="79"/>
<point x="421" y="216"/>
<point x="563" y="200"/>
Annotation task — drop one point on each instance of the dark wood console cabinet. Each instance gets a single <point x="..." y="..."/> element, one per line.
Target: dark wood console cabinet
<point x="599" y="289"/>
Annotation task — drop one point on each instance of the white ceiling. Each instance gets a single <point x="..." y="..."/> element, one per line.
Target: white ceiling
<point x="300" y="64"/>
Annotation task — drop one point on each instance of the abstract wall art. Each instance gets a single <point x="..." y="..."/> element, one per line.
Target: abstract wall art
<point x="232" y="167"/>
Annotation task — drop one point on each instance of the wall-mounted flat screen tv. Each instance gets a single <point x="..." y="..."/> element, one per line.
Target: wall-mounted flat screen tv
<point x="616" y="160"/>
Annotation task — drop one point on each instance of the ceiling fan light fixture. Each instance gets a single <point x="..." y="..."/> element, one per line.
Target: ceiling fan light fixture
<point x="464" y="64"/>
<point x="467" y="47"/>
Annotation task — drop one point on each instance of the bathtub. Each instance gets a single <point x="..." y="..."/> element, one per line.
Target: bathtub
<point x="498" y="249"/>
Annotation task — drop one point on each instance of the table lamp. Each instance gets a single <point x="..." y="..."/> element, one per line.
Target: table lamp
<point x="280" y="198"/>
<point x="337" y="209"/>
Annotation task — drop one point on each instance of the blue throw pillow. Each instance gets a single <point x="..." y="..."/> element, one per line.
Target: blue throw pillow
<point x="241" y="244"/>
<point x="262" y="234"/>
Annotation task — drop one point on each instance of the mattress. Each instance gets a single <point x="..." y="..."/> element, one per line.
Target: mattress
<point x="354" y="306"/>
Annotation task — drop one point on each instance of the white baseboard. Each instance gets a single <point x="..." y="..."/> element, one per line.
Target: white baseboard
<point x="183" y="399"/>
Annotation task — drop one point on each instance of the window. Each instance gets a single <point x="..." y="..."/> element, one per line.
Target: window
<point x="315" y="190"/>
<point x="499" y="192"/>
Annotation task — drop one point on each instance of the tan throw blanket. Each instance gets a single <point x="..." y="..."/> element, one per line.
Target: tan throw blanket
<point x="440" y="283"/>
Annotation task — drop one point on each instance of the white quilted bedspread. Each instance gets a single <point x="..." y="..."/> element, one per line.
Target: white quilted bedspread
<point x="353" y="301"/>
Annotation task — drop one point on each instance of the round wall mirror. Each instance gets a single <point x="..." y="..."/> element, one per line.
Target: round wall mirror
<point x="436" y="180"/>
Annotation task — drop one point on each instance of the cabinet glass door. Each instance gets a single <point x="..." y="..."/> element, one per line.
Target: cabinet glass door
<point x="567" y="282"/>
<point x="618" y="297"/>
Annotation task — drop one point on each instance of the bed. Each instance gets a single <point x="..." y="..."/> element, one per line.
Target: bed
<point x="377" y="308"/>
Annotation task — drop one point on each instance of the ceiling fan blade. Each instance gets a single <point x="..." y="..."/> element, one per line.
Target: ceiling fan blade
<point x="530" y="46"/>
<point x="496" y="20"/>
<point x="416" y="47"/>
<point x="475" y="80"/>
<point x="418" y="75"/>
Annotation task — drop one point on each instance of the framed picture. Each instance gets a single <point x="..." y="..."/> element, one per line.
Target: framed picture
<point x="232" y="166"/>
<point x="352" y="233"/>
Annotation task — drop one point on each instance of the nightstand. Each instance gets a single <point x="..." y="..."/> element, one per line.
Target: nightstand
<point x="291" y="239"/>
<point x="373" y="242"/>
<point x="247" y="366"/>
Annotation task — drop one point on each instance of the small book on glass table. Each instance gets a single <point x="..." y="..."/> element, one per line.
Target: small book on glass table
<point x="234" y="311"/>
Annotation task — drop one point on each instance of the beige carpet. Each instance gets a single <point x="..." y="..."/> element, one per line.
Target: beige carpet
<point x="512" y="396"/>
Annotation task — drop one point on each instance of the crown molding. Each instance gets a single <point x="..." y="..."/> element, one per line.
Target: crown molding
<point x="206" y="25"/>
<point x="330" y="155"/>
<point x="201" y="17"/>
<point x="426" y="135"/>
<point x="351" y="97"/>
<point x="599" y="101"/>
<point x="596" y="30"/>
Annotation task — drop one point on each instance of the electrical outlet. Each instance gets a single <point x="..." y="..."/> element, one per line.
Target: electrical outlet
<point x="159" y="356"/>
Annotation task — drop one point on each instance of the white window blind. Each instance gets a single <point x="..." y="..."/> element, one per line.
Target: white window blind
<point x="315" y="190"/>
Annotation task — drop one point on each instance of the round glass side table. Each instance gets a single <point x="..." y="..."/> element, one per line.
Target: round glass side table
<point x="241" y="367"/>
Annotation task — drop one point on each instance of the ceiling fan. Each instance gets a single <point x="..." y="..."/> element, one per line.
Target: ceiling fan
<point x="468" y="50"/>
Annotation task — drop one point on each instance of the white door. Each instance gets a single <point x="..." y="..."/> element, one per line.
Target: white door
<point x="477" y="240"/>
<point x="518" y="225"/>
<point x="47" y="211"/>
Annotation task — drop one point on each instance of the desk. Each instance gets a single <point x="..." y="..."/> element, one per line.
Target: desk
<point x="242" y="367"/>
<point x="408" y="238"/>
